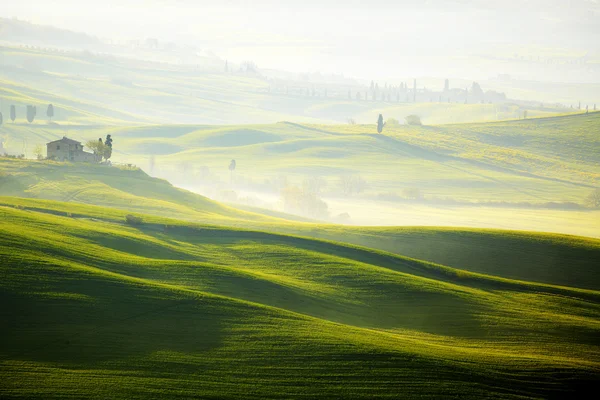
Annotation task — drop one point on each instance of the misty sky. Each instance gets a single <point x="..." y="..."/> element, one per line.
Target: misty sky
<point x="356" y="38"/>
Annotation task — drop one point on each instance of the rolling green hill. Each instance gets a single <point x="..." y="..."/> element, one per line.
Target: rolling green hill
<point x="121" y="187"/>
<point x="513" y="162"/>
<point x="103" y="309"/>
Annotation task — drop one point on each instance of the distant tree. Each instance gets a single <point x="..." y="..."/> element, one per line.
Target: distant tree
<point x="525" y="114"/>
<point x="413" y="120"/>
<point x="314" y="185"/>
<point x="586" y="109"/>
<point x="446" y="86"/>
<point x="108" y="147"/>
<point x="593" y="200"/>
<point x="31" y="113"/>
<point x="97" y="147"/>
<point x="351" y="121"/>
<point x="358" y="96"/>
<point x="50" y="111"/>
<point x="380" y="124"/>
<point x="594" y="106"/>
<point x="349" y="95"/>
<point x="304" y="202"/>
<point x="352" y="184"/>
<point x="226" y="66"/>
<point x="1" y="118"/>
<point x="579" y="106"/>
<point x="476" y="90"/>
<point x="13" y="113"/>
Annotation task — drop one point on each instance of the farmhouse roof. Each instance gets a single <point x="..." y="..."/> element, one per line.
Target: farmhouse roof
<point x="65" y="140"/>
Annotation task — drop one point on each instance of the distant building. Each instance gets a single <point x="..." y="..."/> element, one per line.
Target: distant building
<point x="67" y="149"/>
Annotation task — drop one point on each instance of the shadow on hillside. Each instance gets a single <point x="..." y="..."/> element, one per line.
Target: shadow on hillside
<point x="377" y="300"/>
<point x="77" y="318"/>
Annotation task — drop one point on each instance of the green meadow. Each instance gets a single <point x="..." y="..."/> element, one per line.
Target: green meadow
<point x="101" y="308"/>
<point x="532" y="175"/>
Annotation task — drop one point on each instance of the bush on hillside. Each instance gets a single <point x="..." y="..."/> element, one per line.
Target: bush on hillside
<point x="133" y="220"/>
<point x="413" y="120"/>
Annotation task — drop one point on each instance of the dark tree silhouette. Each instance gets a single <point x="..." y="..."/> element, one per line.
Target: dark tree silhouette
<point x="31" y="113"/>
<point x="13" y="113"/>
<point x="50" y="111"/>
<point x="380" y="124"/>
<point x="108" y="144"/>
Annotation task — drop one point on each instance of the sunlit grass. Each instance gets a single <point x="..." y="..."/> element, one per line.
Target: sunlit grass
<point x="100" y="308"/>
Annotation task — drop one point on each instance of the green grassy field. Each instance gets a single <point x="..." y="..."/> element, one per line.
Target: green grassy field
<point x="514" y="161"/>
<point x="125" y="188"/>
<point x="101" y="309"/>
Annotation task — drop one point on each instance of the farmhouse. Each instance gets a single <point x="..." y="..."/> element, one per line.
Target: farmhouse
<point x="67" y="149"/>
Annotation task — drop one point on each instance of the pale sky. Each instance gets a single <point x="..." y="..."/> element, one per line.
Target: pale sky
<point x="352" y="37"/>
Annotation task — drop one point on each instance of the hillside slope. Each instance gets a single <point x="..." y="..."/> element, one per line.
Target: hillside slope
<point x="535" y="161"/>
<point x="110" y="310"/>
<point x="121" y="187"/>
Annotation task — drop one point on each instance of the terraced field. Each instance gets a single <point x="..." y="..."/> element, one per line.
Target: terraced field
<point x="99" y="308"/>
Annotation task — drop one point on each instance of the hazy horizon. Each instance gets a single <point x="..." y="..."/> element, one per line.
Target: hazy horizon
<point x="381" y="40"/>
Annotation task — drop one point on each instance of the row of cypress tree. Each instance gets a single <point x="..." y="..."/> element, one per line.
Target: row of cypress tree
<point x="30" y="113"/>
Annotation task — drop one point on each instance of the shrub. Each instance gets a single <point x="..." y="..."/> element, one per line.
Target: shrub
<point x="133" y="220"/>
<point x="413" y="120"/>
